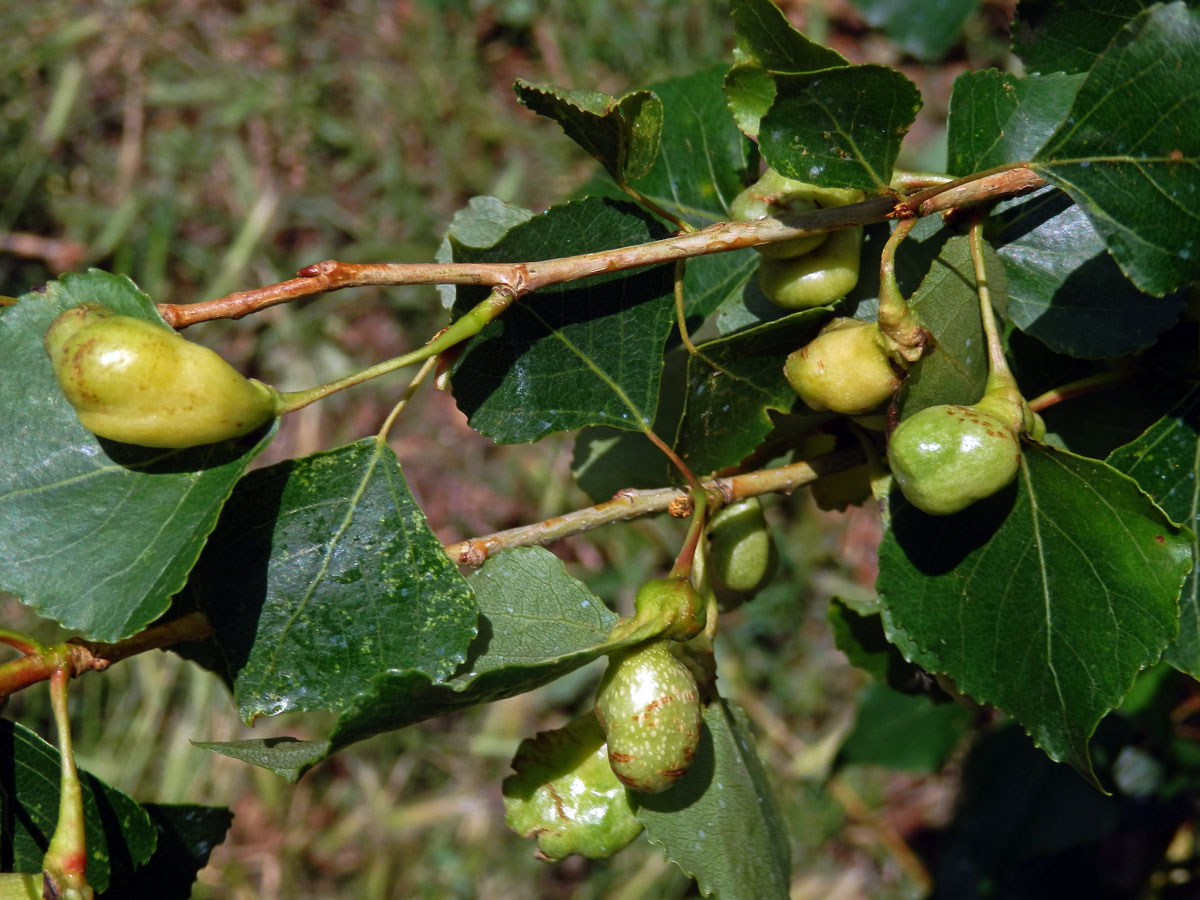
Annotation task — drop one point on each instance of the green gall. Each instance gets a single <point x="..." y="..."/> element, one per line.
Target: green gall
<point x="817" y="278"/>
<point x="673" y="601"/>
<point x="742" y="557"/>
<point x="565" y="795"/>
<point x="775" y="195"/>
<point x="844" y="369"/>
<point x="944" y="458"/>
<point x="649" y="707"/>
<point x="139" y="382"/>
<point x="772" y="195"/>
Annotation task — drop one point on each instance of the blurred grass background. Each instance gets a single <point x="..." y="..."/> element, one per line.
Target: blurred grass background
<point x="202" y="147"/>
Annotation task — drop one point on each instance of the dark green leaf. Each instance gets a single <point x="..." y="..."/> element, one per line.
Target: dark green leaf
<point x="608" y="460"/>
<point x="947" y="303"/>
<point x="751" y="91"/>
<point x="698" y="187"/>
<point x="622" y="135"/>
<point x="187" y="835"/>
<point x="765" y="37"/>
<point x="1045" y="600"/>
<point x="1129" y="151"/>
<point x="728" y="412"/>
<point x="585" y="353"/>
<point x="287" y="757"/>
<point x="1165" y="461"/>
<point x="767" y="43"/>
<point x="925" y="30"/>
<point x="744" y="304"/>
<point x="839" y="127"/>
<point x="95" y="534"/>
<point x="119" y="833"/>
<point x="903" y="731"/>
<point x="1068" y="35"/>
<point x="704" y="160"/>
<point x="695" y="186"/>
<point x="720" y="823"/>
<point x="996" y="118"/>
<point x="536" y="624"/>
<point x="1063" y="286"/>
<point x="721" y="283"/>
<point x="322" y="573"/>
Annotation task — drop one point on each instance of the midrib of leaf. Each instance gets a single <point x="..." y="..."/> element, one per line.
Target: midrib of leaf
<point x="1195" y="532"/>
<point x="351" y="507"/>
<point x="1034" y="509"/>
<point x="1113" y="516"/>
<point x="162" y="528"/>
<point x="96" y="472"/>
<point x="595" y="370"/>
<point x="854" y="144"/>
<point x="708" y="156"/>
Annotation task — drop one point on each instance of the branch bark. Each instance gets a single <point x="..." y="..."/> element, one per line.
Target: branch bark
<point x="632" y="504"/>
<point x="520" y="278"/>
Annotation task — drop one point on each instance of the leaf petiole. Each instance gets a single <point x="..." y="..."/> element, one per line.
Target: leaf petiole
<point x="460" y="330"/>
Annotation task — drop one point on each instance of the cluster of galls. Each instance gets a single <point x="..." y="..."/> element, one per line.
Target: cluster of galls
<point x="944" y="457"/>
<point x="576" y="788"/>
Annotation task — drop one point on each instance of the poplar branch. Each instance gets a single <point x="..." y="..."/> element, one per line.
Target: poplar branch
<point x="633" y="504"/>
<point x="520" y="278"/>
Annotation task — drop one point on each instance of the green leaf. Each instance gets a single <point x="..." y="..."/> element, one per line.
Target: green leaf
<point x="720" y="823"/>
<point x="118" y="831"/>
<point x="585" y="353"/>
<point x="997" y="118"/>
<point x="480" y="224"/>
<point x="287" y="757"/>
<point x="1068" y="35"/>
<point x="765" y="36"/>
<point x="1063" y="286"/>
<point x="1129" y="151"/>
<point x="728" y="412"/>
<point x="187" y="835"/>
<point x="744" y="305"/>
<point x="767" y="43"/>
<point x="622" y="135"/>
<point x="839" y="127"/>
<point x="607" y="460"/>
<point x="1045" y="600"/>
<point x="536" y="624"/>
<point x="727" y="285"/>
<point x="902" y="731"/>
<point x="703" y="162"/>
<point x="322" y="573"/>
<point x="697" y="186"/>
<point x="95" y="534"/>
<point x="1165" y="462"/>
<point x="925" y="30"/>
<point x="751" y="91"/>
<point x="947" y="303"/>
